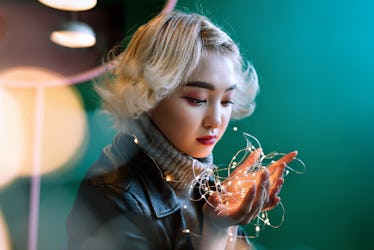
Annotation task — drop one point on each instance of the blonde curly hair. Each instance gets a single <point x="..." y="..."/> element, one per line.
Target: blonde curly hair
<point x="161" y="55"/>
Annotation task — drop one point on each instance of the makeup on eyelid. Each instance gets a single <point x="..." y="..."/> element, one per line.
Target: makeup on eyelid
<point x="195" y="95"/>
<point x="201" y="95"/>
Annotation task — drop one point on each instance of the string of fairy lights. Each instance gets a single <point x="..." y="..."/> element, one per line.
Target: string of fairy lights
<point x="236" y="186"/>
<point x="233" y="181"/>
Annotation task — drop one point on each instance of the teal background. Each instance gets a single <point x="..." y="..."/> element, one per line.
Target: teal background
<point x="315" y="65"/>
<point x="314" y="60"/>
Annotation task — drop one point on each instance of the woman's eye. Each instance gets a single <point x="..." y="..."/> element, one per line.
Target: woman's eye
<point x="227" y="103"/>
<point x="194" y="101"/>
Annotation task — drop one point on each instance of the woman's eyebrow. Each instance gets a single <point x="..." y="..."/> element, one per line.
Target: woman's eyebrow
<point x="232" y="87"/>
<point x="207" y="85"/>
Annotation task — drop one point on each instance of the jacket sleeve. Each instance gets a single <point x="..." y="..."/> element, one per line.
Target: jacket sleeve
<point x="98" y="222"/>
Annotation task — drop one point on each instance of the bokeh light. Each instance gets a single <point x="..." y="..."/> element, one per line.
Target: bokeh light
<point x="9" y="166"/>
<point x="4" y="234"/>
<point x="63" y="127"/>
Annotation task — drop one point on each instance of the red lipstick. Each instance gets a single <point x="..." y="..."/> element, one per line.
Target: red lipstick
<point x="207" y="140"/>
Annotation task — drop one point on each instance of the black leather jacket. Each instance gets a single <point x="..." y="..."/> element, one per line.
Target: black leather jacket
<point x="126" y="207"/>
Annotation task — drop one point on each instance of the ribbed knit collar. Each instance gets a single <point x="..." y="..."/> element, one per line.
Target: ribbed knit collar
<point x="177" y="167"/>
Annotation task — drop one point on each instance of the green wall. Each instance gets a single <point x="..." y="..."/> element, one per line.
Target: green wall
<point x="314" y="60"/>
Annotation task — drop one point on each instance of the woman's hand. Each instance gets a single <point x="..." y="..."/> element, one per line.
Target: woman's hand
<point x="247" y="191"/>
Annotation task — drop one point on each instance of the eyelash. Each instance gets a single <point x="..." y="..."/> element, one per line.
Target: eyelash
<point x="227" y="103"/>
<point x="199" y="101"/>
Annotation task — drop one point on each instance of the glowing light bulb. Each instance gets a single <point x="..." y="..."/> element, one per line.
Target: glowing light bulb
<point x="70" y="5"/>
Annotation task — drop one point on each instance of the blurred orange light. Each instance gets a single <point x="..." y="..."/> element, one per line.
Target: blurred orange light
<point x="63" y="122"/>
<point x="4" y="235"/>
<point x="10" y="166"/>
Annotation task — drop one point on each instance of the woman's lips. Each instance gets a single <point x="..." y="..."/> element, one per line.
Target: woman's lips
<point x="207" y="140"/>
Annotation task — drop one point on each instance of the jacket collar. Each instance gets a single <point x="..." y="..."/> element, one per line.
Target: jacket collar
<point x="161" y="195"/>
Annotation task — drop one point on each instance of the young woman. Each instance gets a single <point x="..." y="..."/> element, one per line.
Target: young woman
<point x="172" y="93"/>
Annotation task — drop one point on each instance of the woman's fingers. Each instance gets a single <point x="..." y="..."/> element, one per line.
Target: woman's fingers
<point x="263" y="187"/>
<point x="248" y="162"/>
<point x="284" y="159"/>
<point x="252" y="158"/>
<point x="247" y="194"/>
<point x="240" y="210"/>
<point x="288" y="157"/>
<point x="278" y="173"/>
<point x="234" y="208"/>
<point x="260" y="199"/>
<point x="274" y="199"/>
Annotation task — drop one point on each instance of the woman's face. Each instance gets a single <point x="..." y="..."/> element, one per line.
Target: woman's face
<point x="196" y="115"/>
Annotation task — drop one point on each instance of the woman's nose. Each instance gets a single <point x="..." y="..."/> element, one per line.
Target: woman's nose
<point x="213" y="117"/>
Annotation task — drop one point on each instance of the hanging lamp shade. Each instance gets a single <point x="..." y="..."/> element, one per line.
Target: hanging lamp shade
<point x="70" y="5"/>
<point x="74" y="34"/>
